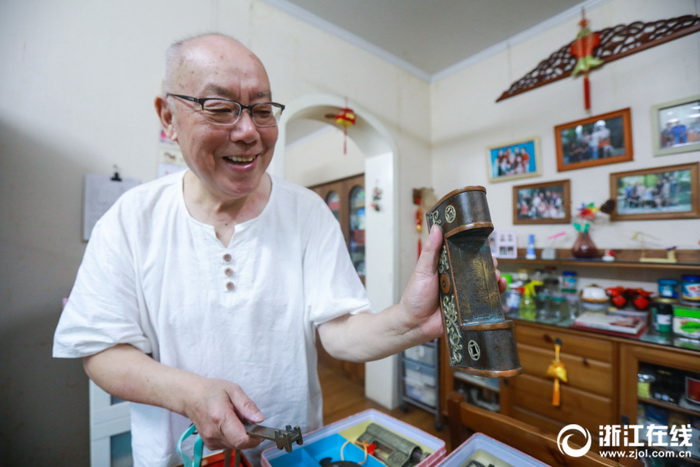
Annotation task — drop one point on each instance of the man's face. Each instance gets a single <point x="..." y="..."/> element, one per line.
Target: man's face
<point x="230" y="160"/>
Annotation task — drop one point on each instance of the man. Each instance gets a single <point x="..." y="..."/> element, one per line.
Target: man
<point x="200" y="292"/>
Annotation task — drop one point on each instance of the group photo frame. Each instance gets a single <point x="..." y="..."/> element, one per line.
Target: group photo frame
<point x="593" y="141"/>
<point x="676" y="126"/>
<point x="669" y="192"/>
<point x="542" y="203"/>
<point x="513" y="160"/>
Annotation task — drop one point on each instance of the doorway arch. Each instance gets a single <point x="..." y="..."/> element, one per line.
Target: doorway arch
<point x="382" y="245"/>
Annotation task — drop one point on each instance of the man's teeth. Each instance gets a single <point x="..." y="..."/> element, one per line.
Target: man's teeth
<point x="240" y="159"/>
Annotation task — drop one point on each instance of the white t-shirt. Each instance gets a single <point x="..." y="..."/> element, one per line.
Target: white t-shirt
<point x="155" y="278"/>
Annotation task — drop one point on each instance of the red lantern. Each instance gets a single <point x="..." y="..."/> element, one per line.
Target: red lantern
<point x="346" y="119"/>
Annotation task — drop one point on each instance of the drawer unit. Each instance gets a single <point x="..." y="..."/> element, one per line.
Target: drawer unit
<point x="588" y="398"/>
<point x="419" y="379"/>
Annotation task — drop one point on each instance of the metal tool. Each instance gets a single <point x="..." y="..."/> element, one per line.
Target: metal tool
<point x="480" y="339"/>
<point x="282" y="438"/>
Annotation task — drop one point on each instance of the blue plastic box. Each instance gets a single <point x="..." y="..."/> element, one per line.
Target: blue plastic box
<point x="329" y="440"/>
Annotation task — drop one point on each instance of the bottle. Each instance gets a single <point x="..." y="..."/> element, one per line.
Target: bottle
<point x="528" y="307"/>
<point x="663" y="314"/>
<point x="513" y="296"/>
<point x="569" y="282"/>
<point x="530" y="253"/>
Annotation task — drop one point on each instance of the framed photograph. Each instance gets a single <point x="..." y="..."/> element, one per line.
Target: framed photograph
<point x="676" y="126"/>
<point x="518" y="159"/>
<point x="600" y="140"/>
<point x="542" y="203"/>
<point x="669" y="192"/>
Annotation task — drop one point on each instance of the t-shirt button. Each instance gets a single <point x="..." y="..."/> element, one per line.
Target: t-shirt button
<point x="227" y="257"/>
<point x="229" y="285"/>
<point x="228" y="272"/>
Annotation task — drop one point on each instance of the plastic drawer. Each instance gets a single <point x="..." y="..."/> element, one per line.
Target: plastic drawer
<point x="422" y="353"/>
<point x="421" y="392"/>
<point x="420" y="372"/>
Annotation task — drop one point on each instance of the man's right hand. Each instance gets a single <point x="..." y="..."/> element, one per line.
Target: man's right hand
<point x="218" y="408"/>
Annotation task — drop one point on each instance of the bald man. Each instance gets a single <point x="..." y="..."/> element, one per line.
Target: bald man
<point x="200" y="293"/>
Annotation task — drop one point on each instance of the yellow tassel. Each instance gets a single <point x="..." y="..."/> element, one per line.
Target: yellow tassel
<point x="556" y="396"/>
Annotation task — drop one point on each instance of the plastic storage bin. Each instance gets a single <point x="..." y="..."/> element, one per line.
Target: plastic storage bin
<point x="485" y="449"/>
<point x="329" y="440"/>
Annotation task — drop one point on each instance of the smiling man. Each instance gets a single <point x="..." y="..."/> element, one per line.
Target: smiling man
<point x="200" y="293"/>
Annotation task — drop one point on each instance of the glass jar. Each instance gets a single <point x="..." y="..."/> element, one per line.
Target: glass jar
<point x="569" y="282"/>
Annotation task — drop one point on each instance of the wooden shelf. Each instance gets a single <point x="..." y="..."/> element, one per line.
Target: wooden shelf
<point x="669" y="406"/>
<point x="687" y="260"/>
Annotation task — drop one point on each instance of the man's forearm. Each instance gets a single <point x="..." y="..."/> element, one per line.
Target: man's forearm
<point x="365" y="337"/>
<point x="129" y="374"/>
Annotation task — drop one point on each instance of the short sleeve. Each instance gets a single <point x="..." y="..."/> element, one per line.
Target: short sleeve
<point x="103" y="306"/>
<point x="333" y="287"/>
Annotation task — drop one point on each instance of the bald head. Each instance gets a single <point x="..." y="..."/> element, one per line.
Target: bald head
<point x="213" y="49"/>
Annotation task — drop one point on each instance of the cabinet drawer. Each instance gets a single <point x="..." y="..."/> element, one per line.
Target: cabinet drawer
<point x="582" y="373"/>
<point x="420" y="372"/>
<point x="583" y="408"/>
<point x="583" y="346"/>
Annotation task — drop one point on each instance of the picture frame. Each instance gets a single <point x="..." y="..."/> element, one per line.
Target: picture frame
<point x="542" y="203"/>
<point x="676" y="126"/>
<point x="514" y="160"/>
<point x="668" y="192"/>
<point x="593" y="141"/>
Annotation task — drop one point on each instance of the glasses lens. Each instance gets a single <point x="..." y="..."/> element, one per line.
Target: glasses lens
<point x="266" y="114"/>
<point x="220" y="111"/>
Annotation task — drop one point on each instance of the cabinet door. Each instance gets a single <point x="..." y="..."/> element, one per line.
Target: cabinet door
<point x="659" y="402"/>
<point x="356" y="232"/>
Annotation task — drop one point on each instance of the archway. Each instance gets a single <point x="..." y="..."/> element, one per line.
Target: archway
<point x="381" y="168"/>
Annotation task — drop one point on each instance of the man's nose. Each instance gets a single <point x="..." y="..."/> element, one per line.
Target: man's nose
<point x="244" y="128"/>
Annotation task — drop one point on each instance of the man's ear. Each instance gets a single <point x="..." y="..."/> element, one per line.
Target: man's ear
<point x="166" y="117"/>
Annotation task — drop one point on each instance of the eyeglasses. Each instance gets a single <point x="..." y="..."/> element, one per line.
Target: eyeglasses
<point x="227" y="112"/>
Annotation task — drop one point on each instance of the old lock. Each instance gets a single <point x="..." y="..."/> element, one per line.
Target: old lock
<point x="480" y="340"/>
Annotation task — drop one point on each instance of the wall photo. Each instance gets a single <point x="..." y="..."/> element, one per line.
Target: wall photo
<point x="669" y="192"/>
<point x="517" y="159"/>
<point x="676" y="126"/>
<point x="542" y="203"/>
<point x="599" y="140"/>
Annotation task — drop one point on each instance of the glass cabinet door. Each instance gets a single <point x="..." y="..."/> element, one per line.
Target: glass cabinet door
<point x="357" y="229"/>
<point x="333" y="202"/>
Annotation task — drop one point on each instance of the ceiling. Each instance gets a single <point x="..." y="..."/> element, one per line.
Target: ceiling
<point x="429" y="38"/>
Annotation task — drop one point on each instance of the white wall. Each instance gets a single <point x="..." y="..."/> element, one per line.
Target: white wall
<point x="76" y="96"/>
<point x="320" y="158"/>
<point x="466" y="119"/>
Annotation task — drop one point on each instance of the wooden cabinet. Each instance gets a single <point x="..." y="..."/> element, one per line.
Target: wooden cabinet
<point x="602" y="387"/>
<point x="588" y="398"/>
<point x="658" y="402"/>
<point x="346" y="199"/>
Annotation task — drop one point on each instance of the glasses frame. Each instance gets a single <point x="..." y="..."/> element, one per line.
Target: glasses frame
<point x="202" y="100"/>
